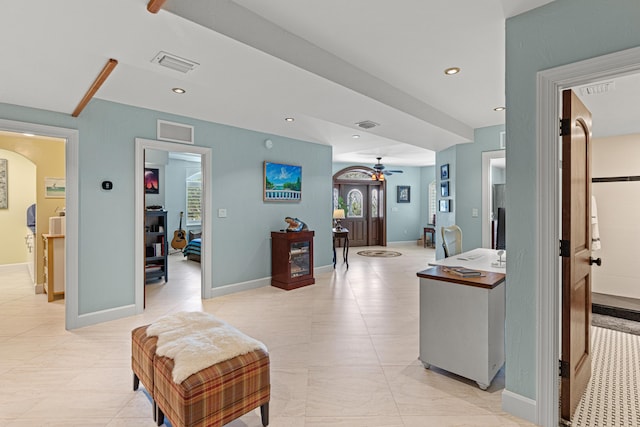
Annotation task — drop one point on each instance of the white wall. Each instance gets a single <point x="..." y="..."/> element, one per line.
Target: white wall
<point x="618" y="204"/>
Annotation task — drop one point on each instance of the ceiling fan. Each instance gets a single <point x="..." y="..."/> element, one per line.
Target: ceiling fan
<point x="380" y="171"/>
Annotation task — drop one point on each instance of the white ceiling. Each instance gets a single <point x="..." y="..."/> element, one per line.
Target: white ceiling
<point x="327" y="63"/>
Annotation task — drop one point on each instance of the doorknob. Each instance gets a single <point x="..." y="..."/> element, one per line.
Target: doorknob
<point x="596" y="261"/>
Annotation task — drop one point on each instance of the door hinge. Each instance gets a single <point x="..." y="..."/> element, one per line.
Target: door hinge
<point x="564" y="369"/>
<point x="565" y="127"/>
<point x="564" y="248"/>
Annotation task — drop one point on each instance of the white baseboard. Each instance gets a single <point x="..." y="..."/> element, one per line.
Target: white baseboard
<point x="104" y="316"/>
<point x="520" y="406"/>
<point x="239" y="287"/>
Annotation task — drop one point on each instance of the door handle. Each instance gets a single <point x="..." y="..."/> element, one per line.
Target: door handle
<point x="596" y="261"/>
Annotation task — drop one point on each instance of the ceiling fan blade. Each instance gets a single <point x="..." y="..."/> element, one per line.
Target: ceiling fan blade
<point x="394" y="171"/>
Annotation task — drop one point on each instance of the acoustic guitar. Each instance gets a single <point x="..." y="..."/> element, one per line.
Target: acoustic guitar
<point x="179" y="242"/>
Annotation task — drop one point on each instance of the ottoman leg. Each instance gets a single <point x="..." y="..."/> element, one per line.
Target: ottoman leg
<point x="159" y="415"/>
<point x="136" y="382"/>
<point x="264" y="413"/>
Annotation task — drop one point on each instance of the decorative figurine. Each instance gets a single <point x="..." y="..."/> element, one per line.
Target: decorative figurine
<point x="295" y="224"/>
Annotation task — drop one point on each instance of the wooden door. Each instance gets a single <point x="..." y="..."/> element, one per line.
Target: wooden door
<point x="575" y="252"/>
<point x="357" y="213"/>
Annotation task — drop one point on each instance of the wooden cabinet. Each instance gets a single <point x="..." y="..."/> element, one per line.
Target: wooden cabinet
<point x="292" y="259"/>
<point x="53" y="265"/>
<point x="156" y="263"/>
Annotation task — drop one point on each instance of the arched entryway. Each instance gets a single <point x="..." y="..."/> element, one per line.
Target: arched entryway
<point x="364" y="201"/>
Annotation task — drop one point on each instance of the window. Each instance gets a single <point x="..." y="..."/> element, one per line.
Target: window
<point x="194" y="199"/>
<point x="432" y="202"/>
<point x="354" y="204"/>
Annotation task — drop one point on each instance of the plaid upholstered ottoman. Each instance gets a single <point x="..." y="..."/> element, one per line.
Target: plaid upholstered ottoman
<point x="143" y="351"/>
<point x="215" y="395"/>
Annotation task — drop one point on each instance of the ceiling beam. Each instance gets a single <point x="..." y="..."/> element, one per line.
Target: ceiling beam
<point x="104" y="74"/>
<point x="154" y="6"/>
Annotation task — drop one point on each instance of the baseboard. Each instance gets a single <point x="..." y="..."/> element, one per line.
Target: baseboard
<point x="619" y="312"/>
<point x="323" y="269"/>
<point x="239" y="287"/>
<point x="39" y="288"/>
<point x="104" y="316"/>
<point x="520" y="406"/>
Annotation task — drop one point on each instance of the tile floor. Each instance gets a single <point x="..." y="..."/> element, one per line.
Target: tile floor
<point x="343" y="353"/>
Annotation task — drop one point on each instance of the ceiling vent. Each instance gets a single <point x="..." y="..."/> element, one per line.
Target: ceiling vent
<point x="367" y="124"/>
<point x="598" y="88"/>
<point x="175" y="132"/>
<point x="174" y="62"/>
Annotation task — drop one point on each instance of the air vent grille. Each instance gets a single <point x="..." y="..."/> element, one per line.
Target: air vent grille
<point x="598" y="88"/>
<point x="367" y="124"/>
<point x="174" y="62"/>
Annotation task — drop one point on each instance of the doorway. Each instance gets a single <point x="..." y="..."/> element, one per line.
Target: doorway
<point x="550" y="85"/>
<point x="71" y="138"/>
<point x="142" y="146"/>
<point x="493" y="194"/>
<point x="363" y="201"/>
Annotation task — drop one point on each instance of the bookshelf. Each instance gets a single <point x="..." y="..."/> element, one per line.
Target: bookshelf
<point x="156" y="246"/>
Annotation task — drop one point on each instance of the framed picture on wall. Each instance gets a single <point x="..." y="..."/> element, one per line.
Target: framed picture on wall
<point x="404" y="194"/>
<point x="444" y="171"/>
<point x="281" y="182"/>
<point x="4" y="186"/>
<point x="54" y="188"/>
<point x="446" y="205"/>
<point x="151" y="181"/>
<point x="444" y="189"/>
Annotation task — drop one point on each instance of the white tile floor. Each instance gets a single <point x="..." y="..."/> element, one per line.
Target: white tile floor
<point x="343" y="353"/>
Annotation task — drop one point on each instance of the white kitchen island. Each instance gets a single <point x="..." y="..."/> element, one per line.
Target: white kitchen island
<point x="462" y="319"/>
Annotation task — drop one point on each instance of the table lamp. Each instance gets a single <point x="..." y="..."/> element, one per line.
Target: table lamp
<point x="338" y="214"/>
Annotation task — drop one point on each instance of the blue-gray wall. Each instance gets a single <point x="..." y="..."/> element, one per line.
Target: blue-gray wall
<point x="562" y="32"/>
<point x="241" y="245"/>
<point x="469" y="183"/>
<point x="404" y="220"/>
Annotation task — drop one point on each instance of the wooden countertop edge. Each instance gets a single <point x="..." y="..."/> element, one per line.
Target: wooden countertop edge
<point x="490" y="281"/>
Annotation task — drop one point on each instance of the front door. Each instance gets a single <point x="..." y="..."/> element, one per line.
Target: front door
<point x="357" y="207"/>
<point x="576" y="252"/>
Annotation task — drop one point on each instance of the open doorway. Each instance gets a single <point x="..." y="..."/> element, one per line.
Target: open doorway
<point x="68" y="137"/>
<point x="493" y="197"/>
<point x="550" y="84"/>
<point x="178" y="166"/>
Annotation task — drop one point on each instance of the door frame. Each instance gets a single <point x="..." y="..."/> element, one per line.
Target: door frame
<point x="487" y="197"/>
<point x="550" y="84"/>
<point x="367" y="170"/>
<point x="206" y="255"/>
<point x="72" y="139"/>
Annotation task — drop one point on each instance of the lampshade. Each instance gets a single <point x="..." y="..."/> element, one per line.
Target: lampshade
<point x="338" y="214"/>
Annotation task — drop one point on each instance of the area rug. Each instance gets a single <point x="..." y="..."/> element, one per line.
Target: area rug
<point x="379" y="253"/>
<point x="615" y="323"/>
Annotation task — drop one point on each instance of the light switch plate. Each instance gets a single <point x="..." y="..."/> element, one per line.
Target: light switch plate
<point x="474" y="212"/>
<point x="222" y="213"/>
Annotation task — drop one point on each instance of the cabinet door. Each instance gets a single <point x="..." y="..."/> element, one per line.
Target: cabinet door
<point x="299" y="259"/>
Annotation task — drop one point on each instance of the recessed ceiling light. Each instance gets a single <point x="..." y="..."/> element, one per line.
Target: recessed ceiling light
<point x="499" y="109"/>
<point x="29" y="134"/>
<point x="451" y="71"/>
<point x="289" y="119"/>
<point x="355" y="136"/>
<point x="178" y="90"/>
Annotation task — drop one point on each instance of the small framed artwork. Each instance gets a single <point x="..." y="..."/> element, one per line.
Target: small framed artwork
<point x="151" y="181"/>
<point x="54" y="188"/>
<point x="4" y="186"/>
<point x="404" y="194"/>
<point x="444" y="189"/>
<point x="282" y="182"/>
<point x="444" y="171"/>
<point x="446" y="205"/>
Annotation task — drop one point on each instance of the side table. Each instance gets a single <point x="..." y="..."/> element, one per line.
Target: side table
<point x="341" y="233"/>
